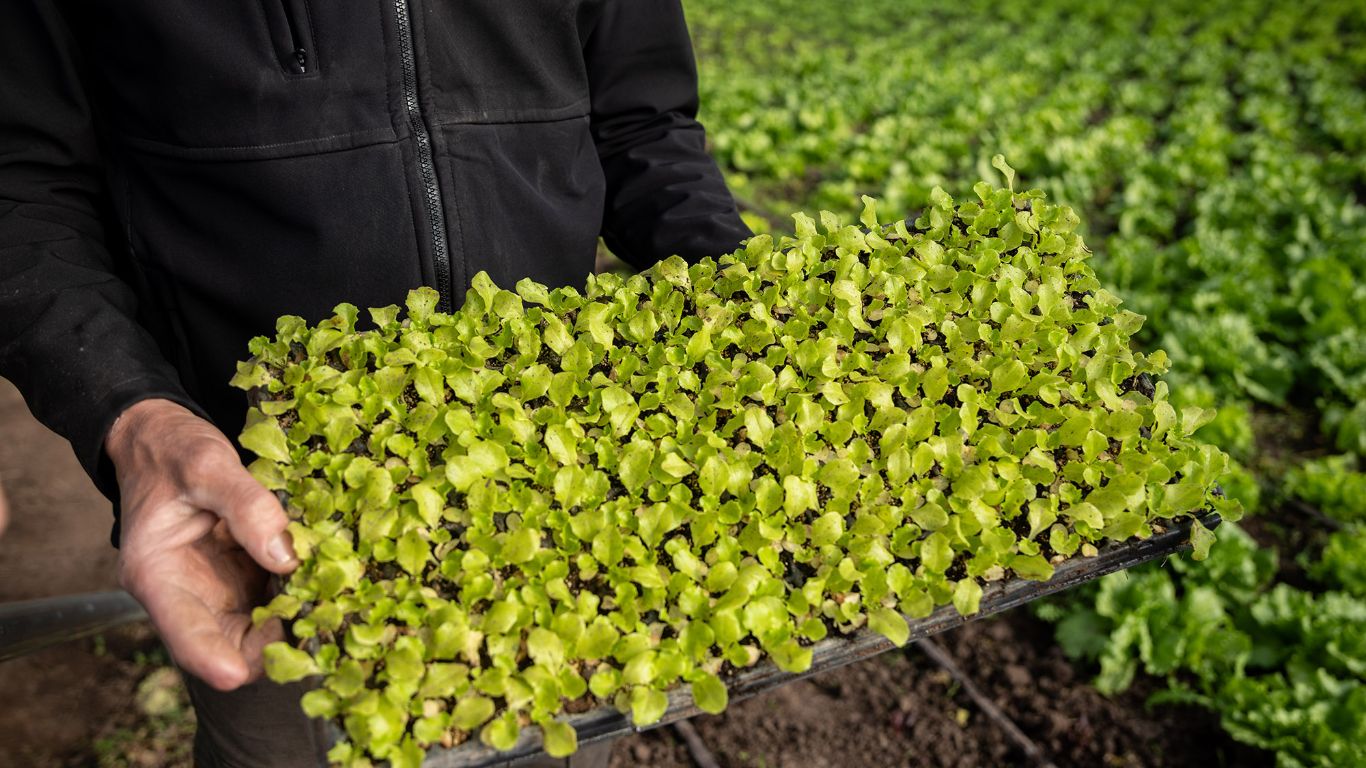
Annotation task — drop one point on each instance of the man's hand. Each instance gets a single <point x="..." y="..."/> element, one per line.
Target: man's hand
<point x="197" y="530"/>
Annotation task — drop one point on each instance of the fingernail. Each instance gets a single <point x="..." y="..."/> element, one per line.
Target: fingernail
<point x="281" y="550"/>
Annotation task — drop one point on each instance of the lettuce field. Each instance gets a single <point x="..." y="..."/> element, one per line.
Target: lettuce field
<point x="1216" y="154"/>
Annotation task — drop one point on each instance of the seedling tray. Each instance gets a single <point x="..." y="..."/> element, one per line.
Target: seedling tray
<point x="606" y="723"/>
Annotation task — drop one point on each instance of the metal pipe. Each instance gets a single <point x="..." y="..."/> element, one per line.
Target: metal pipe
<point x="31" y="625"/>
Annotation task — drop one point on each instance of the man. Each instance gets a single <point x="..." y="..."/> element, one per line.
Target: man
<point x="173" y="176"/>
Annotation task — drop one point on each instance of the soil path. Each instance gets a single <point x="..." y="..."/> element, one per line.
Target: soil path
<point x="58" y="536"/>
<point x="57" y="543"/>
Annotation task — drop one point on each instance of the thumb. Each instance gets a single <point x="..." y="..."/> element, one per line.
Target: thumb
<point x="253" y="515"/>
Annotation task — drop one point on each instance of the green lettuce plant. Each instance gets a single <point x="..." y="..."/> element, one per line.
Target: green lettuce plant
<point x="554" y="497"/>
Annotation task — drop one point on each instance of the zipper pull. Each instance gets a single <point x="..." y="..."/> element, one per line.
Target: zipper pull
<point x="301" y="60"/>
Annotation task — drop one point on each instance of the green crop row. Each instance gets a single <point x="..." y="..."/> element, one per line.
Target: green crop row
<point x="1214" y="152"/>
<point x="1282" y="665"/>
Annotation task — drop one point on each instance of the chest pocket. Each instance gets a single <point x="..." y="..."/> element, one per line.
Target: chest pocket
<point x="494" y="61"/>
<point x="238" y="74"/>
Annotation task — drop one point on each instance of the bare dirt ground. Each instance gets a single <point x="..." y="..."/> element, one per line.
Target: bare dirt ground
<point x="57" y="543"/>
<point x="58" y="537"/>
<point x="114" y="701"/>
<point x="902" y="709"/>
<point x="60" y="703"/>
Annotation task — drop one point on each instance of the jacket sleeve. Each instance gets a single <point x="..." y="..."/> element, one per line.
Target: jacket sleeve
<point x="68" y="337"/>
<point x="665" y="195"/>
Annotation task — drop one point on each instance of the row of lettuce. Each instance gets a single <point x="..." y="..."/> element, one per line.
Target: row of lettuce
<point x="1215" y="154"/>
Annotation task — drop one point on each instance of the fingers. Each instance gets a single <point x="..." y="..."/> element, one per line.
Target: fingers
<point x="254" y="643"/>
<point x="193" y="635"/>
<point x="253" y="515"/>
<point x="182" y="484"/>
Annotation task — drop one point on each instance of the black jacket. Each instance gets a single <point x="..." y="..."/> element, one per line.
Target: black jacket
<point x="175" y="175"/>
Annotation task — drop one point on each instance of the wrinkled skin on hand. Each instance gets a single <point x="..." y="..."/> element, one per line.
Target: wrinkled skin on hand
<point x="200" y="539"/>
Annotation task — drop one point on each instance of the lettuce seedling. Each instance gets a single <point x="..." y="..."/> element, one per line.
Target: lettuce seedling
<point x="550" y="496"/>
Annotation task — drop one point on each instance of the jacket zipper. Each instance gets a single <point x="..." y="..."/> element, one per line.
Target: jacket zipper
<point x="436" y="216"/>
<point x="288" y="20"/>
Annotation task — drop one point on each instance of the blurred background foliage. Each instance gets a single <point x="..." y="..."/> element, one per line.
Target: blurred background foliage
<point x="1216" y="152"/>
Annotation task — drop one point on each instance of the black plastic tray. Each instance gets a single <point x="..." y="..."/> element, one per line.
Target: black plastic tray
<point x="606" y="723"/>
<point x="27" y="626"/>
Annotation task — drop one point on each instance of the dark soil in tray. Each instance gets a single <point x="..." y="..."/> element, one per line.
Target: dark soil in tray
<point x="903" y="709"/>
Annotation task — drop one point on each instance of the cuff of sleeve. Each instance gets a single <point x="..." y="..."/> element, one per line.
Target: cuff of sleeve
<point x="89" y="445"/>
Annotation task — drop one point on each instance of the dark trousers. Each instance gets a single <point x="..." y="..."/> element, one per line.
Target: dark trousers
<point x="261" y="726"/>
